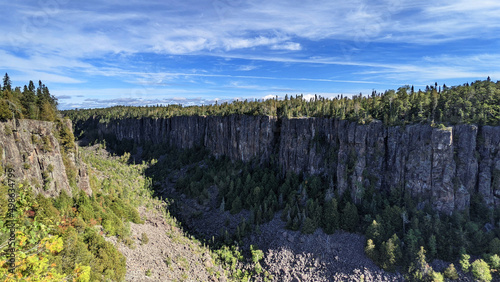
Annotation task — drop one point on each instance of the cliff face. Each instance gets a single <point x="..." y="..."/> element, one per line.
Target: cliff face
<point x="30" y="148"/>
<point x="237" y="136"/>
<point x="442" y="166"/>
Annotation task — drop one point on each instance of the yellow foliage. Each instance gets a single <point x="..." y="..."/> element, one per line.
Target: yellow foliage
<point x="81" y="273"/>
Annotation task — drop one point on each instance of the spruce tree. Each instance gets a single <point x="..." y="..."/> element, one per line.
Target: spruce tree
<point x="7" y="84"/>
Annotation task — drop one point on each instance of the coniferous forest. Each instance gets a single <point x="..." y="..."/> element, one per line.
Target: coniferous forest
<point x="477" y="103"/>
<point x="401" y="234"/>
<point x="31" y="102"/>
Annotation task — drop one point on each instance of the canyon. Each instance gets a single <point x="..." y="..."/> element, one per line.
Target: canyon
<point x="442" y="166"/>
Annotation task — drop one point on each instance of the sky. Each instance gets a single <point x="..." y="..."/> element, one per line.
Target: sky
<point x="143" y="52"/>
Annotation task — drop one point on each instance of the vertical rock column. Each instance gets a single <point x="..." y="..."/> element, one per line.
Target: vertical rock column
<point x="489" y="164"/>
<point x="443" y="170"/>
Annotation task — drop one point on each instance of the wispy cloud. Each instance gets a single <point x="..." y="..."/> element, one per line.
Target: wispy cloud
<point x="199" y="46"/>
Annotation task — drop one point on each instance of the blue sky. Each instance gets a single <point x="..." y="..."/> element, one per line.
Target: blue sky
<point x="105" y="53"/>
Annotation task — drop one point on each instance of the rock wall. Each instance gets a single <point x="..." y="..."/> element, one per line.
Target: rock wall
<point x="30" y="148"/>
<point x="442" y="166"/>
<point x="239" y="137"/>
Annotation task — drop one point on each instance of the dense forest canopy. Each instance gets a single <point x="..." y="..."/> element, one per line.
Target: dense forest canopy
<point x="31" y="102"/>
<point x="477" y="102"/>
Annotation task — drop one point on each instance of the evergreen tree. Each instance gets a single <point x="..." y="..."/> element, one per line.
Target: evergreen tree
<point x="350" y="217"/>
<point x="432" y="246"/>
<point x="375" y="232"/>
<point x="494" y="246"/>
<point x="330" y="221"/>
<point x="7" y="84"/>
<point x="309" y="226"/>
<point x="236" y="206"/>
<point x="465" y="263"/>
<point x="371" y="251"/>
<point x="420" y="270"/>
<point x="5" y="112"/>
<point x="450" y="272"/>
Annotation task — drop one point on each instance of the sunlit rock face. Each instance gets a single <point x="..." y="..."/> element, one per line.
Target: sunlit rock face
<point x="30" y="150"/>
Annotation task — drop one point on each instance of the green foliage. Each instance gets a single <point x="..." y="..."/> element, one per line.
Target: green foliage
<point x="419" y="269"/>
<point x="144" y="238"/>
<point x="260" y="189"/>
<point x="371" y="251"/>
<point x="494" y="246"/>
<point x="236" y="206"/>
<point x="308" y="226"/>
<point x="375" y="232"/>
<point x="37" y="245"/>
<point x="7" y="130"/>
<point x="390" y="253"/>
<point x="331" y="217"/>
<point x="475" y="103"/>
<point x="350" y="217"/>
<point x="437" y="277"/>
<point x="465" y="262"/>
<point x="109" y="263"/>
<point x="495" y="262"/>
<point x="5" y="112"/>
<point x="15" y="103"/>
<point x="481" y="270"/>
<point x="450" y="272"/>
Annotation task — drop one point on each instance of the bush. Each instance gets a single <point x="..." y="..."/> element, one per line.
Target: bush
<point x="109" y="263"/>
<point x="465" y="263"/>
<point x="495" y="261"/>
<point x="144" y="238"/>
<point x="481" y="270"/>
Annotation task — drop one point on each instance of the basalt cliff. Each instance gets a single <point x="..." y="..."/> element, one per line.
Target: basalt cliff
<point x="31" y="153"/>
<point x="442" y="166"/>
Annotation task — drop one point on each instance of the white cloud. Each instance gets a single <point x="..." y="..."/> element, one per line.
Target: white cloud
<point x="247" y="68"/>
<point x="292" y="46"/>
<point x="73" y="42"/>
<point x="267" y="97"/>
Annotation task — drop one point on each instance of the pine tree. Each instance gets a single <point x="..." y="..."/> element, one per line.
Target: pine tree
<point x="309" y="226"/>
<point x="420" y="268"/>
<point x="5" y="112"/>
<point x="7" y="84"/>
<point x="390" y="253"/>
<point x="371" y="251"/>
<point x="350" y="217"/>
<point x="236" y="206"/>
<point x="330" y="218"/>
<point x="375" y="232"/>
<point x="450" y="272"/>
<point x="432" y="246"/>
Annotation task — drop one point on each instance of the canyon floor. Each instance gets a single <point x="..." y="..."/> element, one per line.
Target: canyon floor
<point x="172" y="254"/>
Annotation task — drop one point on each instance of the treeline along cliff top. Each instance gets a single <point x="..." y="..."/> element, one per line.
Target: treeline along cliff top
<point x="477" y="103"/>
<point x="30" y="103"/>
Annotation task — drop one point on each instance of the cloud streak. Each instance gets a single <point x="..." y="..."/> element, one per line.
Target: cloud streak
<point x="205" y="45"/>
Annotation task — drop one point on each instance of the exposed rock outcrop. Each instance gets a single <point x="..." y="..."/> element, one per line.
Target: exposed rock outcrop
<point x="444" y="167"/>
<point x="31" y="150"/>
